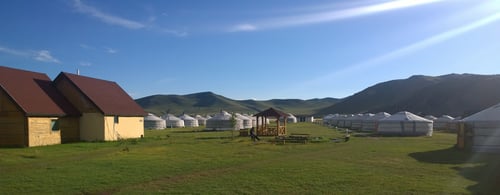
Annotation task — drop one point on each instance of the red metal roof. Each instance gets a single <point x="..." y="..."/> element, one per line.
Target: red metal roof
<point x="34" y="93"/>
<point x="108" y="96"/>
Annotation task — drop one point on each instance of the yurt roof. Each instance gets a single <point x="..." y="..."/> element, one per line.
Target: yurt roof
<point x="369" y="114"/>
<point x="152" y="117"/>
<point x="223" y="115"/>
<point x="430" y="117"/>
<point x="357" y="117"/>
<point x="445" y="118"/>
<point x="488" y="114"/>
<point x="199" y="117"/>
<point x="330" y="116"/>
<point x="290" y="115"/>
<point x="171" y="117"/>
<point x="380" y="115"/>
<point x="186" y="117"/>
<point x="242" y="117"/>
<point x="405" y="116"/>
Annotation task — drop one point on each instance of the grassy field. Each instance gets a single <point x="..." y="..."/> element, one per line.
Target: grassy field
<point x="192" y="161"/>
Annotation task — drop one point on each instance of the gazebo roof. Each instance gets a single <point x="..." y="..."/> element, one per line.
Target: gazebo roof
<point x="272" y="112"/>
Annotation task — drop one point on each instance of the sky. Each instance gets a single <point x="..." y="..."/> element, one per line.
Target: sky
<point x="272" y="49"/>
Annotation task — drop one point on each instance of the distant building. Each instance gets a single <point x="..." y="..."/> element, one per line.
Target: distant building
<point x="305" y="118"/>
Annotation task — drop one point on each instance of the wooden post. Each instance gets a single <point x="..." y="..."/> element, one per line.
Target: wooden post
<point x="284" y="125"/>
<point x="277" y="126"/>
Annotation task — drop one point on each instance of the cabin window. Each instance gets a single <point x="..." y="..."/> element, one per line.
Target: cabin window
<point x="116" y="120"/>
<point x="54" y="125"/>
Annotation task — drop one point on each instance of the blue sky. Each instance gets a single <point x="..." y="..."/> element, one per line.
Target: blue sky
<point x="271" y="49"/>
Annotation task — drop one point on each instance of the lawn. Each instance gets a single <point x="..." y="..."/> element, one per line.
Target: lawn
<point x="191" y="161"/>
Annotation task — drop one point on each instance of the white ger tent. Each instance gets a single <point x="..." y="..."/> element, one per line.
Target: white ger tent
<point x="344" y="121"/>
<point x="327" y="120"/>
<point x="201" y="120"/>
<point x="291" y="118"/>
<point x="405" y="124"/>
<point x="189" y="121"/>
<point x="358" y="120"/>
<point x="446" y="123"/>
<point x="482" y="130"/>
<point x="371" y="123"/>
<point x="224" y="121"/>
<point x="430" y="117"/>
<point x="247" y="121"/>
<point x="151" y="121"/>
<point x="173" y="121"/>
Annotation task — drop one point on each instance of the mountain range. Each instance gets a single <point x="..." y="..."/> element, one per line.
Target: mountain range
<point x="453" y="94"/>
<point x="208" y="102"/>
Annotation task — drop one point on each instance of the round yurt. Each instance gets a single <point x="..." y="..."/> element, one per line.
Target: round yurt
<point x="189" y="121"/>
<point x="405" y="124"/>
<point x="357" y="121"/>
<point x="348" y="121"/>
<point x="202" y="121"/>
<point x="327" y="120"/>
<point x="291" y="118"/>
<point x="371" y="123"/>
<point x="224" y="121"/>
<point x="481" y="132"/>
<point x="342" y="120"/>
<point x="172" y="121"/>
<point x="247" y="121"/>
<point x="151" y="121"/>
<point x="445" y="123"/>
<point x="254" y="119"/>
<point x="430" y="117"/>
<point x="334" y="121"/>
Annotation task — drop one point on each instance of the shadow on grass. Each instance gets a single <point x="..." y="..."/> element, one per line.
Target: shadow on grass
<point x="220" y="137"/>
<point x="193" y="131"/>
<point x="480" y="167"/>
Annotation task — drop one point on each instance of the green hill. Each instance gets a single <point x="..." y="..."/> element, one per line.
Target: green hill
<point x="453" y="94"/>
<point x="208" y="102"/>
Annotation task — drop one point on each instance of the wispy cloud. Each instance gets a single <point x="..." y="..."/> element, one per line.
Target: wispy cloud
<point x="105" y="17"/>
<point x="45" y="56"/>
<point x="123" y="22"/>
<point x="328" y="16"/>
<point x="40" y="55"/>
<point x="13" y="51"/>
<point x="243" y="27"/>
<point x="110" y="50"/>
<point x="85" y="46"/>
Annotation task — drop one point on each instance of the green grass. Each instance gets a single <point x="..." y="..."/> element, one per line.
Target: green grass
<point x="190" y="161"/>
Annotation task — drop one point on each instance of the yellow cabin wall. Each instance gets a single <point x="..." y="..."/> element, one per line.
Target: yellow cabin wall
<point x="40" y="132"/>
<point x="92" y="127"/>
<point x="127" y="127"/>
<point x="12" y="123"/>
<point x="70" y="129"/>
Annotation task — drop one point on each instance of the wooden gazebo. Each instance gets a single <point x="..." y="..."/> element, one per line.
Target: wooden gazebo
<point x="263" y="129"/>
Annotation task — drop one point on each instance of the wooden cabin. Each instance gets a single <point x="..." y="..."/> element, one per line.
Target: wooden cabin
<point x="107" y="111"/>
<point x="33" y="112"/>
